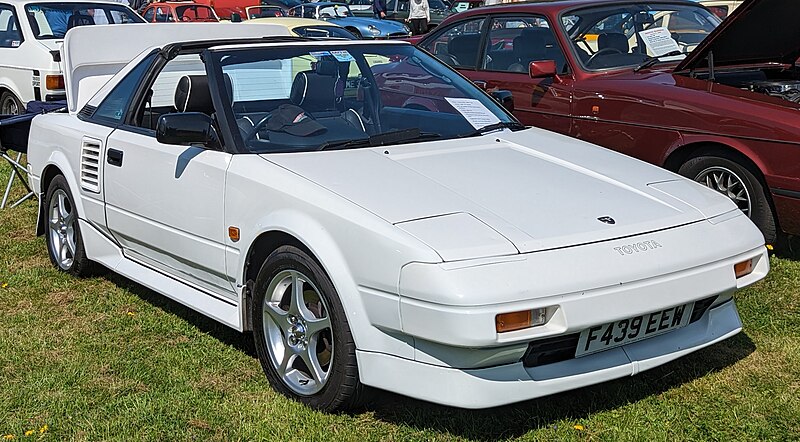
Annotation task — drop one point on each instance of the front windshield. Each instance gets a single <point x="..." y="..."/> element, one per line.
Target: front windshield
<point x="614" y="36"/>
<point x="301" y="98"/>
<point x="52" y="20"/>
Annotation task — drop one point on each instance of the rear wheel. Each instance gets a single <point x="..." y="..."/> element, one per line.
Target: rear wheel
<point x="64" y="240"/>
<point x="9" y="105"/>
<point x="301" y="333"/>
<point x="725" y="175"/>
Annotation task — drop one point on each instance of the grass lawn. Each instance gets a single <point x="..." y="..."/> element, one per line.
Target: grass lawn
<point x="107" y="359"/>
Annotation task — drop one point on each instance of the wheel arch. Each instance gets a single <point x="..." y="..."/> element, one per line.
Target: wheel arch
<point x="743" y="156"/>
<point x="309" y="237"/>
<point x="48" y="174"/>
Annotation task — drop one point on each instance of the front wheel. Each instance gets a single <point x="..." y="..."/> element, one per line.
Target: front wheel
<point x="738" y="183"/>
<point x="301" y="333"/>
<point x="64" y="240"/>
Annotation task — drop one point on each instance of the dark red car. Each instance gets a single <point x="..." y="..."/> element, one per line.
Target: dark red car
<point x="719" y="105"/>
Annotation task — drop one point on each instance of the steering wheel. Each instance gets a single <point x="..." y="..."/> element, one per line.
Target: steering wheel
<point x="253" y="133"/>
<point x="605" y="51"/>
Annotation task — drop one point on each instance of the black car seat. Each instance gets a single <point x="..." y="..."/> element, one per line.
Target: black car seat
<point x="527" y="47"/>
<point x="79" y="20"/>
<point x="463" y="50"/>
<point x="613" y="40"/>
<point x="193" y="95"/>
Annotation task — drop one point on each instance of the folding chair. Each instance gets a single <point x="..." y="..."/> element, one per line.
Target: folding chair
<point x="14" y="131"/>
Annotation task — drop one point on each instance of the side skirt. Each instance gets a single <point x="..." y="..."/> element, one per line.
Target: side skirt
<point x="101" y="249"/>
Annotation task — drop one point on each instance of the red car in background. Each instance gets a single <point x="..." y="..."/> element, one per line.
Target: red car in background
<point x="660" y="80"/>
<point x="166" y="12"/>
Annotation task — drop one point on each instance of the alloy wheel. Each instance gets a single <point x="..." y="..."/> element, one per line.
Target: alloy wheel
<point x="298" y="332"/>
<point x="728" y="183"/>
<point x="61" y="225"/>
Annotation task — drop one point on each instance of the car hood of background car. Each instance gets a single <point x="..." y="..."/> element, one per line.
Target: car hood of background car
<point x="757" y="32"/>
<point x="510" y="192"/>
<point x="382" y="25"/>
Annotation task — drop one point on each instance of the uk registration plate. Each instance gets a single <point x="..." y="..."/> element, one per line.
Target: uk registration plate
<point x="614" y="334"/>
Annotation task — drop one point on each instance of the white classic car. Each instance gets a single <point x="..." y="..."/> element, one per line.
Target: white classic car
<point x="31" y="32"/>
<point x="296" y="188"/>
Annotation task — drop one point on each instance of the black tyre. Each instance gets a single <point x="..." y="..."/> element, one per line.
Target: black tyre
<point x="725" y="175"/>
<point x="301" y="333"/>
<point x="64" y="240"/>
<point x="10" y="105"/>
<point x="355" y="32"/>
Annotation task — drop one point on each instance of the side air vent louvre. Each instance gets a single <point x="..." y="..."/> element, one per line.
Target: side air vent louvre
<point x="87" y="111"/>
<point x="90" y="165"/>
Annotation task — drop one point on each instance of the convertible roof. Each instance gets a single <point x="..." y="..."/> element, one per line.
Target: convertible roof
<point x="94" y="54"/>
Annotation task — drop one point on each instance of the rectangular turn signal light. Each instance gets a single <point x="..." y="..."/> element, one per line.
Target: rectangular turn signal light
<point x="506" y="322"/>
<point x="54" y="82"/>
<point x="743" y="268"/>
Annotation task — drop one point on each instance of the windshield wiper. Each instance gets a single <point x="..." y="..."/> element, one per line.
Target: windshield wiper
<point x="382" y="139"/>
<point x="513" y="125"/>
<point x="650" y="61"/>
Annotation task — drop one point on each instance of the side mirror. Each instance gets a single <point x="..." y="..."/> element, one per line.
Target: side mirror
<point x="542" y="69"/>
<point x="504" y="97"/>
<point x="236" y="17"/>
<point x="186" y="129"/>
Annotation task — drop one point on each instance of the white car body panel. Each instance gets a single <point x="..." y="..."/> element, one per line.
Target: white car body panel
<point x="425" y="243"/>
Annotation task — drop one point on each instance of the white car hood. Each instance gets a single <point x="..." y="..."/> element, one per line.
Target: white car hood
<point x="538" y="198"/>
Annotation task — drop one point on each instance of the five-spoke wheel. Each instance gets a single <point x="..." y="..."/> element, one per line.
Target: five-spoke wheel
<point x="64" y="240"/>
<point x="301" y="332"/>
<point x="298" y="332"/>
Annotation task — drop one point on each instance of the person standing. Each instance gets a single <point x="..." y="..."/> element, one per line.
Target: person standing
<point x="379" y="8"/>
<point x="419" y="15"/>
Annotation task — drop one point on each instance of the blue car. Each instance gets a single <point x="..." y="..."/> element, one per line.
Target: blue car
<point x="361" y="27"/>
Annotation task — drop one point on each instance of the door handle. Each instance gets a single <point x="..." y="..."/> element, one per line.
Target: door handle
<point x="115" y="157"/>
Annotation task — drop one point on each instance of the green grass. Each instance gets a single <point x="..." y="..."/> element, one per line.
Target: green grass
<point x="106" y="359"/>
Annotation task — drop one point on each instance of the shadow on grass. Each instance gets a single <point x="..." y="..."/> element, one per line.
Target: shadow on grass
<point x="501" y="422"/>
<point x="240" y="341"/>
<point x="517" y="419"/>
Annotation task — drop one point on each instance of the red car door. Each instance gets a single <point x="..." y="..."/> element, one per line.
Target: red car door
<point x="500" y="61"/>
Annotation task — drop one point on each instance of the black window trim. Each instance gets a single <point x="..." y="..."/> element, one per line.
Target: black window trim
<point x="110" y="122"/>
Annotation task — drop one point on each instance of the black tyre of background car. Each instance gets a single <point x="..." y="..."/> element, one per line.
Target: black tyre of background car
<point x="343" y="389"/>
<point x="760" y="209"/>
<point x="10" y="105"/>
<point x="80" y="265"/>
<point x="355" y="32"/>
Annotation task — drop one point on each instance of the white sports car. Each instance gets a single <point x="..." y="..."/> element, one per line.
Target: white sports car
<point x="304" y="190"/>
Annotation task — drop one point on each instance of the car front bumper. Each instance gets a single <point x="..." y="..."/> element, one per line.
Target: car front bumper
<point x="505" y="384"/>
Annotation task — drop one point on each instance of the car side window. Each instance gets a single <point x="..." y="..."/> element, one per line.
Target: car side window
<point x="148" y="15"/>
<point x="10" y="36"/>
<point x="113" y="107"/>
<point x="181" y="86"/>
<point x="459" y="44"/>
<point x="515" y="41"/>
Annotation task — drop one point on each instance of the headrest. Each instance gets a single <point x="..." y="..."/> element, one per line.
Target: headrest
<point x="193" y="95"/>
<point x="613" y="40"/>
<point x="79" y="20"/>
<point x="464" y="48"/>
<point x="528" y="48"/>
<point x="327" y="67"/>
<point x="542" y="36"/>
<point x="314" y="92"/>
